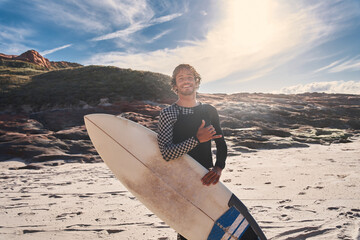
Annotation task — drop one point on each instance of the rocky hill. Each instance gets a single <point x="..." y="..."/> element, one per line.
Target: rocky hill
<point x="80" y="86"/>
<point x="33" y="57"/>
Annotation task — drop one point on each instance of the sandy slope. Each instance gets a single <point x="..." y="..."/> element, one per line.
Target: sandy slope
<point x="297" y="193"/>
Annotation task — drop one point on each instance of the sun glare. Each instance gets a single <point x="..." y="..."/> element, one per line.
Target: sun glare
<point x="248" y="25"/>
<point x="248" y="33"/>
<point x="248" y="40"/>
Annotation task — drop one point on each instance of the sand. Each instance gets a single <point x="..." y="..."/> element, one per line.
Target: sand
<point x="296" y="193"/>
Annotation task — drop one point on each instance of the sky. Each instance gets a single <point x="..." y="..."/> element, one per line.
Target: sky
<point x="270" y="46"/>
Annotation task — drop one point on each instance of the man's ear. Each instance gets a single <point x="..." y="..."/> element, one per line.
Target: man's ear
<point x="197" y="85"/>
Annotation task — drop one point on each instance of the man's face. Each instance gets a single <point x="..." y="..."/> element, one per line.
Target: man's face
<point x="185" y="82"/>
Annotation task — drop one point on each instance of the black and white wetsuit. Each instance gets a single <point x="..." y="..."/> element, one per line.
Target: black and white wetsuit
<point x="177" y="134"/>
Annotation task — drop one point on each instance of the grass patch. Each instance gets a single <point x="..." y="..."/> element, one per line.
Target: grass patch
<point x="90" y="83"/>
<point x="19" y="71"/>
<point x="20" y="64"/>
<point x="11" y="82"/>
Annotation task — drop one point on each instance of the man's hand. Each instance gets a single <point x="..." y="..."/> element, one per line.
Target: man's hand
<point x="212" y="177"/>
<point x="205" y="134"/>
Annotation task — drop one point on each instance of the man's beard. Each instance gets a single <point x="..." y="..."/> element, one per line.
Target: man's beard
<point x="187" y="91"/>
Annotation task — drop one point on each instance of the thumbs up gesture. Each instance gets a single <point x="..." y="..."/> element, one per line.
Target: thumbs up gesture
<point x="205" y="134"/>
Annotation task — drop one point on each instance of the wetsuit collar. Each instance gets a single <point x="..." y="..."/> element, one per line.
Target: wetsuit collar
<point x="197" y="104"/>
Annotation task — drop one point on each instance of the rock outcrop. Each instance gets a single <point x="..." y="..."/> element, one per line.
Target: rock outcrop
<point x="250" y="122"/>
<point x="59" y="134"/>
<point x="266" y="121"/>
<point x="34" y="57"/>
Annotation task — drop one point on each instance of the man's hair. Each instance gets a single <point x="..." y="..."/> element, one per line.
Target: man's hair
<point x="181" y="67"/>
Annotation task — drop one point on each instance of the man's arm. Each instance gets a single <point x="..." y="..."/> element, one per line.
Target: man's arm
<point x="221" y="148"/>
<point x="213" y="176"/>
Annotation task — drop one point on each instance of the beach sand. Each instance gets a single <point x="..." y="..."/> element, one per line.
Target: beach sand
<point x="296" y="193"/>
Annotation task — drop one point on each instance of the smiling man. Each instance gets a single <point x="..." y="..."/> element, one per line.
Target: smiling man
<point x="188" y="126"/>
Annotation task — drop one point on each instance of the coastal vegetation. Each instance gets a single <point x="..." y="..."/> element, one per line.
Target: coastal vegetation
<point x="26" y="84"/>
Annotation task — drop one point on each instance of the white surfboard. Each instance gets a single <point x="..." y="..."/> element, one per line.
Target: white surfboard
<point x="172" y="190"/>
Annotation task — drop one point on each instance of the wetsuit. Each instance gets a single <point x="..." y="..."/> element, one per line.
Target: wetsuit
<point x="177" y="135"/>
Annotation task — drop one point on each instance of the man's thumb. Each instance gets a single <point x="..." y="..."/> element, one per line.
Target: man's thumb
<point x="202" y="124"/>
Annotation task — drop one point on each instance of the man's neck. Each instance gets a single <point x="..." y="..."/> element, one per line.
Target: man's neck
<point x="187" y="101"/>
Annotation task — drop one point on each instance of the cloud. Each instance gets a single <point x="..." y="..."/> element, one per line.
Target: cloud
<point x="251" y="37"/>
<point x="348" y="87"/>
<point x="46" y="52"/>
<point x="342" y="65"/>
<point x="87" y="16"/>
<point x="91" y="15"/>
<point x="125" y="34"/>
<point x="13" y="48"/>
<point x="12" y="39"/>
<point x="158" y="36"/>
<point x="164" y="19"/>
<point x="203" y="12"/>
<point x="350" y="65"/>
<point x="328" y="66"/>
<point x="14" y="34"/>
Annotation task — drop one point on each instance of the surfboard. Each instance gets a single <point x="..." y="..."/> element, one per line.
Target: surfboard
<point x="172" y="190"/>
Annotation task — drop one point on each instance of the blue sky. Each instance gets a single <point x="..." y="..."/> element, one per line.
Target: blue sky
<point x="287" y="46"/>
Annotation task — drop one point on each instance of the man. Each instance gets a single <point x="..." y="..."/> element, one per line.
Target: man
<point x="188" y="126"/>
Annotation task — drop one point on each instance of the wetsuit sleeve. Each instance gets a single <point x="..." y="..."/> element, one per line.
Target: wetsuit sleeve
<point x="221" y="148"/>
<point x="168" y="149"/>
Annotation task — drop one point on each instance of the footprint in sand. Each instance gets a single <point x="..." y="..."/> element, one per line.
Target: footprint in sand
<point x="319" y="201"/>
<point x="54" y="196"/>
<point x="16" y="199"/>
<point x="342" y="176"/>
<point x="26" y="214"/>
<point x="351" y="214"/>
<point x="260" y="209"/>
<point x="26" y="231"/>
<point x="284" y="217"/>
<point x="289" y="207"/>
<point x="333" y="208"/>
<point x="66" y="215"/>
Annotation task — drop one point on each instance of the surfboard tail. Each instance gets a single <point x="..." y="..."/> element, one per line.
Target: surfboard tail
<point x="236" y="223"/>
